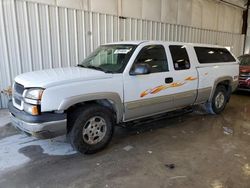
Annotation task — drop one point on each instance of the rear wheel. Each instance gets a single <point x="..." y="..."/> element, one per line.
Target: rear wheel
<point x="219" y="100"/>
<point x="92" y="129"/>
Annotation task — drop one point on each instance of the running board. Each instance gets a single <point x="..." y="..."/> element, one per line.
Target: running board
<point x="151" y="119"/>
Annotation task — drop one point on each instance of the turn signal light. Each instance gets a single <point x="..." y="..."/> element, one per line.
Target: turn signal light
<point x="35" y="111"/>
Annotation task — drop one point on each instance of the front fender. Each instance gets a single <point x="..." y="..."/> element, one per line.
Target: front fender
<point x="113" y="97"/>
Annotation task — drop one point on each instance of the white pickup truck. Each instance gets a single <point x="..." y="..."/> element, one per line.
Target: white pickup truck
<point x="118" y="83"/>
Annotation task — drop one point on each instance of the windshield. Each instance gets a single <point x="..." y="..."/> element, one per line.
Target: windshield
<point x="109" y="58"/>
<point x="244" y="60"/>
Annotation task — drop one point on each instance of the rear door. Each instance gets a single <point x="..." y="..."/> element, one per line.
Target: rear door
<point x="185" y="75"/>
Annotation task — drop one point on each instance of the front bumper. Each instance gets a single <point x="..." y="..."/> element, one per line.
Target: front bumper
<point x="44" y="126"/>
<point x="243" y="89"/>
<point x="244" y="86"/>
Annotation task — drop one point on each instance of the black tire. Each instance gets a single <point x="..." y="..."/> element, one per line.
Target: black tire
<point x="213" y="107"/>
<point x="81" y="119"/>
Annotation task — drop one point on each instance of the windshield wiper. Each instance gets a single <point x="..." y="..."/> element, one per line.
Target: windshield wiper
<point x="79" y="65"/>
<point x="94" y="67"/>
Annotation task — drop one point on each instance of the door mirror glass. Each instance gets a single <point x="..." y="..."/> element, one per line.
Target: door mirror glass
<point x="140" y="69"/>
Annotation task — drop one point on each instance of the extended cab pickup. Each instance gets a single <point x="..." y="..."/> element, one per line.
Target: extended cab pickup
<point x="121" y="82"/>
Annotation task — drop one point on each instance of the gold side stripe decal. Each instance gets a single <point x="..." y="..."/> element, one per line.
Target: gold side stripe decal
<point x="166" y="86"/>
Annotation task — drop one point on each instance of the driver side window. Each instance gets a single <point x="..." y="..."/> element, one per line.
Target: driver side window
<point x="155" y="57"/>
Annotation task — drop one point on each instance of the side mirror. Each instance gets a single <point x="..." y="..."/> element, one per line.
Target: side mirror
<point x="140" y="69"/>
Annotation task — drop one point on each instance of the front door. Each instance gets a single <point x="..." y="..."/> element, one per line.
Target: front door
<point x="171" y="83"/>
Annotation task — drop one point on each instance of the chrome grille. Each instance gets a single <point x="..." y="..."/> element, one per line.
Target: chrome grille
<point x="18" y="91"/>
<point x="244" y="76"/>
<point x="241" y="78"/>
<point x="18" y="102"/>
<point x="18" y="88"/>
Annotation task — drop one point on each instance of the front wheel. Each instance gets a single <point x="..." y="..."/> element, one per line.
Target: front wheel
<point x="219" y="100"/>
<point x="92" y="129"/>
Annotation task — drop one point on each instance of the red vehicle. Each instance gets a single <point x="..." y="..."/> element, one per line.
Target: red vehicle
<point x="244" y="79"/>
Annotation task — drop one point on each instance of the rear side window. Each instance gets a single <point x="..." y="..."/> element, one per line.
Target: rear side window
<point x="180" y="57"/>
<point x="155" y="57"/>
<point x="213" y="55"/>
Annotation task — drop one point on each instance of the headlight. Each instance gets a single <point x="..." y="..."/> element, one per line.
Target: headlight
<point x="34" y="93"/>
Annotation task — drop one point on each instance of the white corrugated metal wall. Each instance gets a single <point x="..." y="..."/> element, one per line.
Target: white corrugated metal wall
<point x="36" y="36"/>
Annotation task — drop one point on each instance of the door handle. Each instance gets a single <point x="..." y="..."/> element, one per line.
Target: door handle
<point x="169" y="80"/>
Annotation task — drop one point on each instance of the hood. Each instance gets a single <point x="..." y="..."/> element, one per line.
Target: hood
<point x="245" y="69"/>
<point x="58" y="76"/>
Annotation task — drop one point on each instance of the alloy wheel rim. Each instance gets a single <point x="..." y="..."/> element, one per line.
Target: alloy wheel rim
<point x="219" y="100"/>
<point x="94" y="130"/>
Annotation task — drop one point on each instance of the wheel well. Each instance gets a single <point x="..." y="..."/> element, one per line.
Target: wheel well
<point x="227" y="85"/>
<point x="103" y="102"/>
